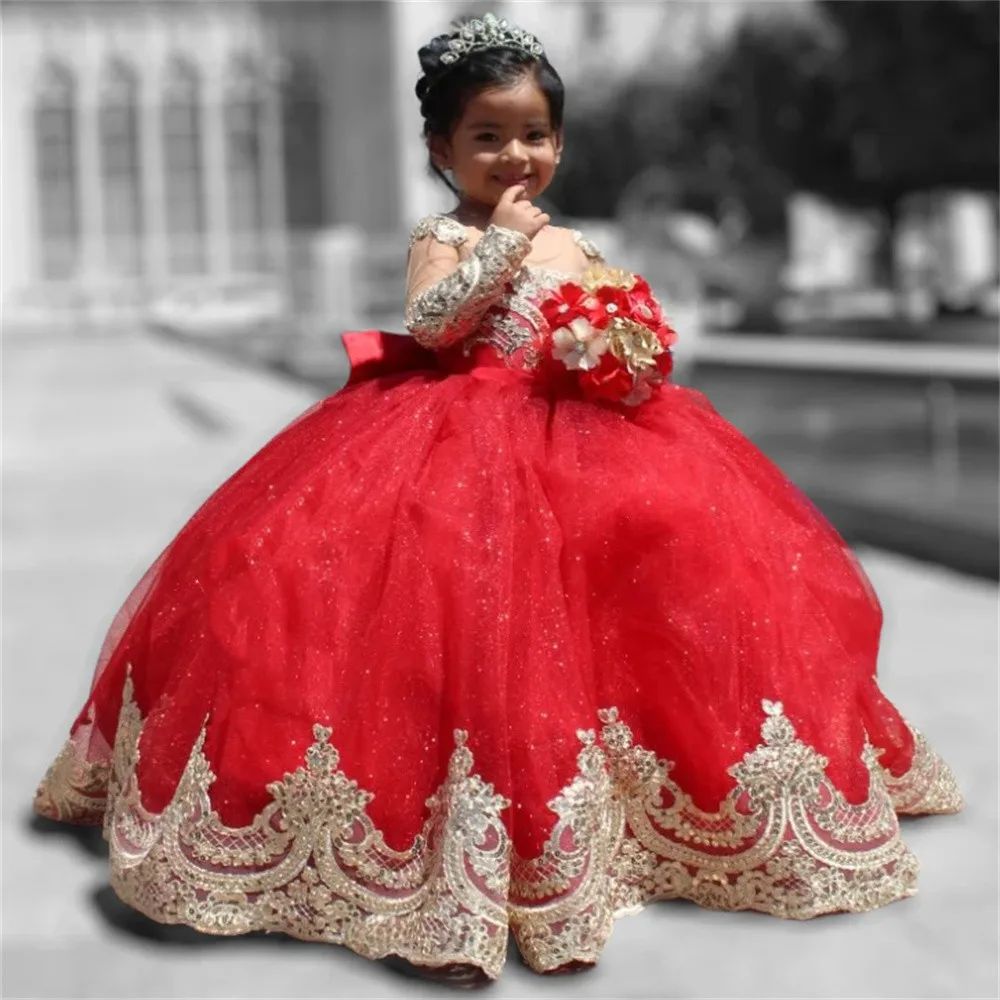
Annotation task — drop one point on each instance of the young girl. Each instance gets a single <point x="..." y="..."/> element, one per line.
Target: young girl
<point x="467" y="648"/>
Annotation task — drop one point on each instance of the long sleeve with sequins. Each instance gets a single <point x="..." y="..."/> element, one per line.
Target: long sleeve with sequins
<point x="452" y="308"/>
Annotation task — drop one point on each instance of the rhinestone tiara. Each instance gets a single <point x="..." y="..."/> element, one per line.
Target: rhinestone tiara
<point x="490" y="32"/>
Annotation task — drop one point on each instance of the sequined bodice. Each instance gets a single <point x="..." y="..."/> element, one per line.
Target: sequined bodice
<point x="486" y="313"/>
<point x="513" y="331"/>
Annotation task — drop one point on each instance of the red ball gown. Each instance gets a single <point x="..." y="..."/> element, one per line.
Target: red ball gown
<point x="460" y="652"/>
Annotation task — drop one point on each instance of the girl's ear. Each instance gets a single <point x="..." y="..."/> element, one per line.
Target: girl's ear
<point x="559" y="144"/>
<point x="440" y="150"/>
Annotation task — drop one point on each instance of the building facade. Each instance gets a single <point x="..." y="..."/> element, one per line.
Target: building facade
<point x="152" y="143"/>
<point x="147" y="143"/>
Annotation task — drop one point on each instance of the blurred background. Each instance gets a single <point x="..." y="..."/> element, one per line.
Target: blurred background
<point x="811" y="186"/>
<point x="199" y="196"/>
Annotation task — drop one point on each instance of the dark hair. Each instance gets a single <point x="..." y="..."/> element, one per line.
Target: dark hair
<point x="446" y="88"/>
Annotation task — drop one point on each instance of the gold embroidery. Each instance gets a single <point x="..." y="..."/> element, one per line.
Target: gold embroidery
<point x="312" y="864"/>
<point x="443" y="228"/>
<point x="74" y="790"/>
<point x="453" y="307"/>
<point x="928" y="787"/>
<point x="490" y="298"/>
<point x="515" y="327"/>
<point x="589" y="248"/>
<point x="785" y="842"/>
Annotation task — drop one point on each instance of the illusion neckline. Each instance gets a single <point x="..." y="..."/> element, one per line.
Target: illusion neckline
<point x="554" y="272"/>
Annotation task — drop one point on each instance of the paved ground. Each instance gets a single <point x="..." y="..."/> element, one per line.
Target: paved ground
<point x="108" y="446"/>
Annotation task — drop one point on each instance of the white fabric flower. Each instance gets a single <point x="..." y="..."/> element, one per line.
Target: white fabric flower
<point x="578" y="346"/>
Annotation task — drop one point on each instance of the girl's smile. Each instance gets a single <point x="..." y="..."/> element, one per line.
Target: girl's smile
<point x="504" y="137"/>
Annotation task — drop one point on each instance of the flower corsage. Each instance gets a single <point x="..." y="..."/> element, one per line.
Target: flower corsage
<point x="610" y="329"/>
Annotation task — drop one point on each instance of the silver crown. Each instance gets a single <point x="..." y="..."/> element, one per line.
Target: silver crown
<point x="490" y="32"/>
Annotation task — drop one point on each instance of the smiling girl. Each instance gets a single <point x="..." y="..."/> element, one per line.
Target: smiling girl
<point x="510" y="634"/>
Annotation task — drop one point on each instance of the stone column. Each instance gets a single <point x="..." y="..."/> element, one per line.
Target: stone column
<point x="93" y="245"/>
<point x="273" y="166"/>
<point x="214" y="160"/>
<point x="152" y="163"/>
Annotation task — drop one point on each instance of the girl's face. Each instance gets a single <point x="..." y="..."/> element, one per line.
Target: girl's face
<point x="505" y="137"/>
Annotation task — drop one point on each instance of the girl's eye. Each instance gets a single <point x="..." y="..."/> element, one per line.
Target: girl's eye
<point x="486" y="137"/>
<point x="536" y="136"/>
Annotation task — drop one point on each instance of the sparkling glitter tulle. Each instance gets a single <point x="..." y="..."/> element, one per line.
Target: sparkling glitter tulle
<point x="468" y="547"/>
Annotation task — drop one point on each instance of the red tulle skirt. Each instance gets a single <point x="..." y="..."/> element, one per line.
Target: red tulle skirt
<point x="458" y="652"/>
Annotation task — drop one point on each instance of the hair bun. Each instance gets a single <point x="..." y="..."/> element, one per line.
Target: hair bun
<point x="431" y="64"/>
<point x="430" y="55"/>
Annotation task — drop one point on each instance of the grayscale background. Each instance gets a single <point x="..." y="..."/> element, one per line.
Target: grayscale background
<point x="198" y="197"/>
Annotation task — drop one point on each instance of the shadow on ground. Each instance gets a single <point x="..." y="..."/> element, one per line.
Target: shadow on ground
<point x="132" y="925"/>
<point x="89" y="839"/>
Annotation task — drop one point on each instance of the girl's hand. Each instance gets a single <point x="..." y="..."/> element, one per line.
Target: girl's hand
<point x="514" y="211"/>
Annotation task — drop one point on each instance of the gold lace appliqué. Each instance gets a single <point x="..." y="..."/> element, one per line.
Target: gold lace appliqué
<point x="74" y="789"/>
<point x="785" y="842"/>
<point x="515" y="327"/>
<point x="443" y="228"/>
<point x="491" y="298"/>
<point x="928" y="787"/>
<point x="589" y="248"/>
<point x="312" y="864"/>
<point x="453" y="307"/>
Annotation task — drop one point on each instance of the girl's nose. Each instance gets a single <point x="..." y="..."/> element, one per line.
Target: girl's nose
<point x="514" y="152"/>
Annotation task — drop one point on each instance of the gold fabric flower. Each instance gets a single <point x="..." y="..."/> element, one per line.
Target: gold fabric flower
<point x="607" y="277"/>
<point x="636" y="346"/>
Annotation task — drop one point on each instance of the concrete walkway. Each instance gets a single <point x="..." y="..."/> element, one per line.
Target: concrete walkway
<point x="109" y="446"/>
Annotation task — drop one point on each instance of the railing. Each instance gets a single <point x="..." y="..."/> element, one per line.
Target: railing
<point x="955" y="362"/>
<point x="940" y="369"/>
<point x="896" y="442"/>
